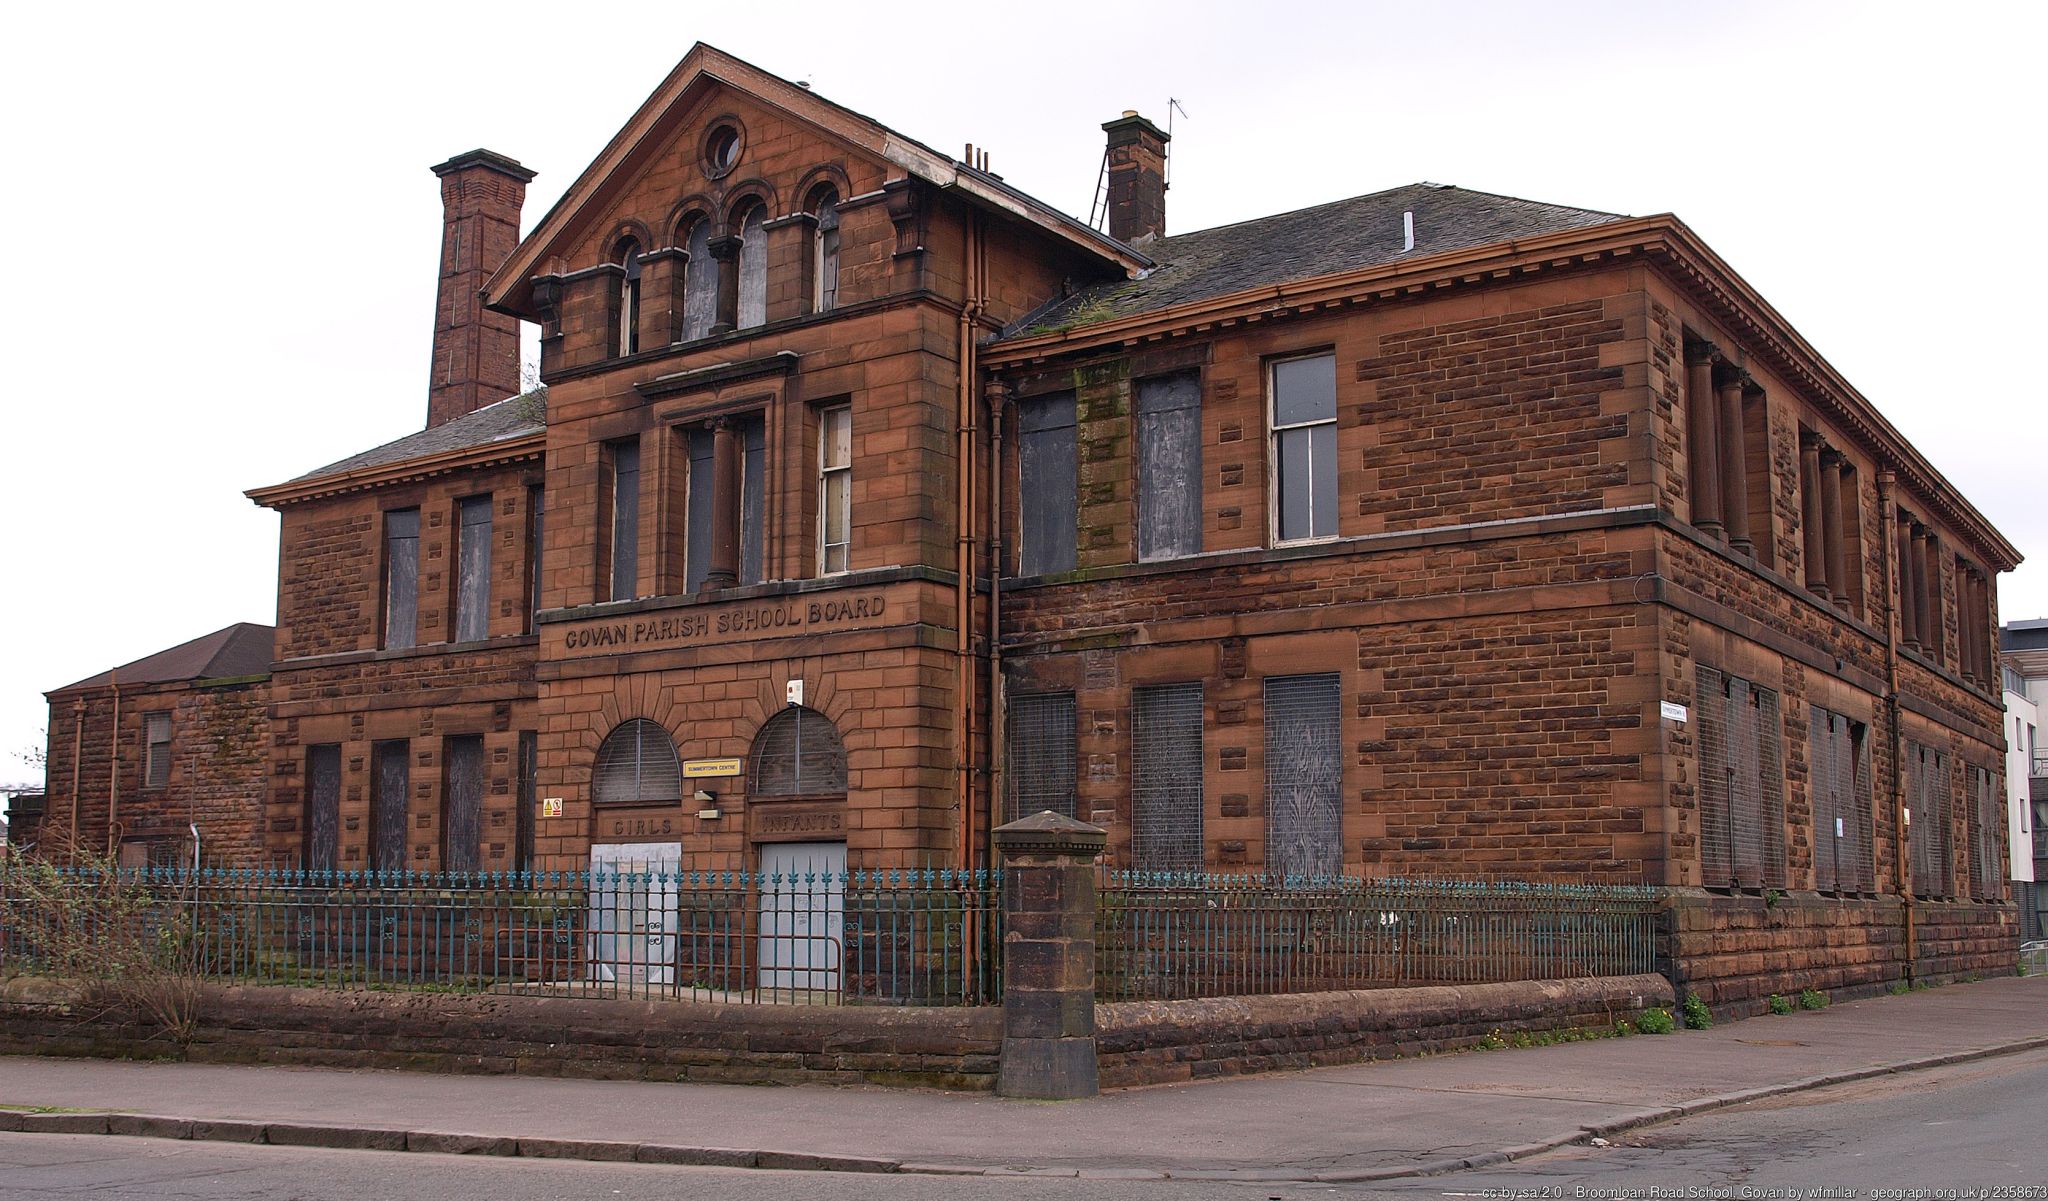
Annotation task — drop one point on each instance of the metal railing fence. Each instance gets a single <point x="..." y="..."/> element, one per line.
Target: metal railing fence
<point x="863" y="937"/>
<point x="1165" y="936"/>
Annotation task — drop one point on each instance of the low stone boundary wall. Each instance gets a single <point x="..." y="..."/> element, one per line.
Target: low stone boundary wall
<point x="1159" y="1042"/>
<point x="952" y="1048"/>
<point x="1736" y="951"/>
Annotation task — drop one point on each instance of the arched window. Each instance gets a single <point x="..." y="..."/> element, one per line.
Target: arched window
<point x="700" y="282"/>
<point x="753" y="291"/>
<point x="637" y="765"/>
<point x="824" y="206"/>
<point x="798" y="753"/>
<point x="627" y="336"/>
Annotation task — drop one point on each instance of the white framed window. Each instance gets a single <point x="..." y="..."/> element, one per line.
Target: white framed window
<point x="1302" y="413"/>
<point x="156" y="750"/>
<point x="835" y="488"/>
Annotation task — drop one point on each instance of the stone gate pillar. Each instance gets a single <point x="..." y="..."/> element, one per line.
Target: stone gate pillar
<point x="1048" y="957"/>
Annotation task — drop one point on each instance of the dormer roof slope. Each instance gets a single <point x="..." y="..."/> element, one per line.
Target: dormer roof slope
<point x="1343" y="235"/>
<point x="242" y="649"/>
<point x="506" y="425"/>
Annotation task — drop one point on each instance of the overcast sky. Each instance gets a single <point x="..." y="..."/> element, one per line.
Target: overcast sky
<point x="225" y="232"/>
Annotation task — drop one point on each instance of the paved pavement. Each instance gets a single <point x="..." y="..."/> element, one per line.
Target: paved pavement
<point x="1371" y="1121"/>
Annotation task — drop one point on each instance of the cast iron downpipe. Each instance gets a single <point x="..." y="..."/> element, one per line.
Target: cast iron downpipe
<point x="998" y="398"/>
<point x="967" y="522"/>
<point x="113" y="767"/>
<point x="1895" y="581"/>
<point x="77" y="756"/>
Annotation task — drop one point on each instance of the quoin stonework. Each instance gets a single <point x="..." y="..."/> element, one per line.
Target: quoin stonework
<point x="868" y="503"/>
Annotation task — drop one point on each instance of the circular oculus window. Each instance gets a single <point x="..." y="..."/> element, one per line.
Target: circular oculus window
<point x="722" y="149"/>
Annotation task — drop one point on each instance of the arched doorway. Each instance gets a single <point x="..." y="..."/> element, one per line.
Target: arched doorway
<point x="796" y="796"/>
<point x="633" y="908"/>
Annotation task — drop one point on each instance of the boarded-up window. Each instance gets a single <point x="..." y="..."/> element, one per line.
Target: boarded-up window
<point x="753" y="498"/>
<point x="462" y="805"/>
<point x="529" y="783"/>
<point x="1048" y="470"/>
<point x="637" y="765"/>
<point x="835" y="488"/>
<point x="1304" y="777"/>
<point x="1838" y="775"/>
<point x="1170" y="466"/>
<point x="798" y="753"/>
<point x="753" y="298"/>
<point x="1927" y="804"/>
<point x="753" y="503"/>
<point x="625" y="519"/>
<point x="700" y="284"/>
<point x="1742" y="784"/>
<point x="626" y="337"/>
<point x="401" y="577"/>
<point x="1166" y="778"/>
<point x="1304" y="450"/>
<point x="825" y="205"/>
<point x="156" y="750"/>
<point x="1041" y="760"/>
<point x="390" y="782"/>
<point x="1987" y="866"/>
<point x="323" y="808"/>
<point x="161" y="853"/>
<point x="473" y="569"/>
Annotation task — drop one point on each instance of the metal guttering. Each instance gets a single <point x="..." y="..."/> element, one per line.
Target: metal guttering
<point x="1661" y="239"/>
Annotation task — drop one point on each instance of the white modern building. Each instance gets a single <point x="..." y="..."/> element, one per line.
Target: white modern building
<point x="2025" y="654"/>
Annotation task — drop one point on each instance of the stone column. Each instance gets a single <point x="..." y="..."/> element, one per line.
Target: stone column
<point x="727" y="461"/>
<point x="725" y="249"/>
<point x="1834" y="543"/>
<point x="1734" y="467"/>
<point x="1703" y="427"/>
<point x="1048" y="957"/>
<point x="1812" y="515"/>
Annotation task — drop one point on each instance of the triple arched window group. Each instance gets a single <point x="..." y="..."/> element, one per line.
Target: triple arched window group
<point x="797" y="753"/>
<point x="723" y="284"/>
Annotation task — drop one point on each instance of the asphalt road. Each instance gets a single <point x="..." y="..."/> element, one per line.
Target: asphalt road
<point x="1976" y="1125"/>
<point x="1981" y="1125"/>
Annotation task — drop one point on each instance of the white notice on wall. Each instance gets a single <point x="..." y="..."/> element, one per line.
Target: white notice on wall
<point x="1838" y="827"/>
<point x="1673" y="711"/>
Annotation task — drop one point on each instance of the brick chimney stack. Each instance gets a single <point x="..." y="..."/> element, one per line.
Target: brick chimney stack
<point x="1137" y="177"/>
<point x="476" y="353"/>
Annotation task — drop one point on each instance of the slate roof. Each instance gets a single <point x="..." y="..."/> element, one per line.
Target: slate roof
<point x="1343" y="235"/>
<point x="513" y="417"/>
<point x="242" y="649"/>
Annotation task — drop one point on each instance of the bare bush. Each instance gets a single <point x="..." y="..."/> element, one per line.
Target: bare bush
<point x="124" y="938"/>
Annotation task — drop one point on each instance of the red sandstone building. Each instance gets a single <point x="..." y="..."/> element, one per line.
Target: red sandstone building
<point x="870" y="502"/>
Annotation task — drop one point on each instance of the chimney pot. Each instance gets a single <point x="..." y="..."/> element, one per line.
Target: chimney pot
<point x="1137" y="177"/>
<point x="476" y="352"/>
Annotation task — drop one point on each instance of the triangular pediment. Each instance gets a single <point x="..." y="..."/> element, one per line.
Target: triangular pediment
<point x="663" y="132"/>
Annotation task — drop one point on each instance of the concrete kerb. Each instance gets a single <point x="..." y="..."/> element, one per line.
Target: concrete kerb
<point x="138" y="1125"/>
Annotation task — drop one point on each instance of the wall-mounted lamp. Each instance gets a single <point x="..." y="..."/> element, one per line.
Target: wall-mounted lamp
<point x="707" y="802"/>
